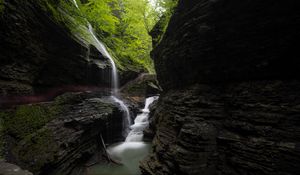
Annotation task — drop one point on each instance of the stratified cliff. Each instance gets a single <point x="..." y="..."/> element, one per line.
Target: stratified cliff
<point x="230" y="75"/>
<point x="44" y="46"/>
<point x="38" y="53"/>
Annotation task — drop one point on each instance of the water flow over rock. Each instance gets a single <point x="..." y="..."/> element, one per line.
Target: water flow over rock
<point x="140" y="122"/>
<point x="114" y="77"/>
<point x="130" y="152"/>
<point x="114" y="74"/>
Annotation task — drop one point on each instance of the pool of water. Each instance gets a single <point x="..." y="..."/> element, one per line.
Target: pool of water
<point x="127" y="153"/>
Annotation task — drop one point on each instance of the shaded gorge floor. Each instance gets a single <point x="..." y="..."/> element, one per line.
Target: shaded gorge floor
<point x="127" y="153"/>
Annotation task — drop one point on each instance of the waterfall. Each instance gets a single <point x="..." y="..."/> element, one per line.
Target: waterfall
<point x="140" y="122"/>
<point x="114" y="77"/>
<point x="102" y="49"/>
<point x="127" y="118"/>
<point x="75" y="3"/>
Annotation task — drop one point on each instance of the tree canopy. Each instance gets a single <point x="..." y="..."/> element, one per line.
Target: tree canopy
<point x="123" y="25"/>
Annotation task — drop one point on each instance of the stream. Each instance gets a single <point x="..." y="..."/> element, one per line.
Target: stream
<point x="130" y="152"/>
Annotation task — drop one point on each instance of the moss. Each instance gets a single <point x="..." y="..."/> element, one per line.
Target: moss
<point x="1" y="134"/>
<point x="34" y="145"/>
<point x="36" y="150"/>
<point x="1" y="6"/>
<point x="29" y="118"/>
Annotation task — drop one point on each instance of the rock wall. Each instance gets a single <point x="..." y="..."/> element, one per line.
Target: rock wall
<point x="39" y="53"/>
<point x="229" y="71"/>
<point x="221" y="41"/>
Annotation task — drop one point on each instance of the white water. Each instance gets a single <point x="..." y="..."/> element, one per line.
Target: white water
<point x="114" y="76"/>
<point x="140" y="122"/>
<point x="130" y="152"/>
<point x="127" y="118"/>
<point x="114" y="83"/>
<point x="75" y="3"/>
<point x="100" y="46"/>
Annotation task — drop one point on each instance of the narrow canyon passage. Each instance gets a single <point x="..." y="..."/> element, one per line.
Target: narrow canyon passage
<point x="149" y="87"/>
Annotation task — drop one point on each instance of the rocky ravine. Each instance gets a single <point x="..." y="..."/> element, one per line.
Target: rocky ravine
<point x="229" y="70"/>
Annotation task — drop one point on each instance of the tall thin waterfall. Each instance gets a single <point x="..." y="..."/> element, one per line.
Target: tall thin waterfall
<point x="75" y="3"/>
<point x="114" y="78"/>
<point x="102" y="49"/>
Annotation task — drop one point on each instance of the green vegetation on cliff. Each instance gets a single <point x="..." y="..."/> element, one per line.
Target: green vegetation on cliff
<point x="1" y="6"/>
<point x="1" y="135"/>
<point x="165" y="9"/>
<point x="28" y="118"/>
<point x="123" y="25"/>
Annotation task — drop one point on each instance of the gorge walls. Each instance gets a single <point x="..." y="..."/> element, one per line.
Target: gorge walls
<point x="229" y="71"/>
<point x="38" y="52"/>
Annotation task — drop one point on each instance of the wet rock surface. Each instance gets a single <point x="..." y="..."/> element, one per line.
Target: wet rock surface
<point x="70" y="138"/>
<point x="11" y="169"/>
<point x="145" y="85"/>
<point x="230" y="103"/>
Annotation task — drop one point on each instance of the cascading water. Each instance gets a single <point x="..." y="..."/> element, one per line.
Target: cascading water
<point x="140" y="122"/>
<point x="130" y="152"/>
<point x="114" y="77"/>
<point x="114" y="82"/>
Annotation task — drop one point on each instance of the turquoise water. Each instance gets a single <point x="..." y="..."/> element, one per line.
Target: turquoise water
<point x="128" y="153"/>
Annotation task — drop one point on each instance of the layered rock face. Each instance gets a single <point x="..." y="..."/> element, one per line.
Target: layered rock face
<point x="231" y="98"/>
<point x="221" y="41"/>
<point x="59" y="137"/>
<point x="37" y="53"/>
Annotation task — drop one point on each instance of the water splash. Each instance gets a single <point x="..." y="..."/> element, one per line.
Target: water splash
<point x="140" y="122"/>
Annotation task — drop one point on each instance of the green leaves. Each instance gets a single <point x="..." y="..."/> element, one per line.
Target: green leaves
<point x="100" y="14"/>
<point x="123" y="25"/>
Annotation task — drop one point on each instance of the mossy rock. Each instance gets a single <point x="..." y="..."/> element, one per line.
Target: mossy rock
<point x="1" y="6"/>
<point x="143" y="86"/>
<point x="27" y="119"/>
<point x="36" y="150"/>
<point x="1" y="135"/>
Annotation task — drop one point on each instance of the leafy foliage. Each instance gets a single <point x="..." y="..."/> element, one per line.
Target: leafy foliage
<point x="123" y="25"/>
<point x="164" y="9"/>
